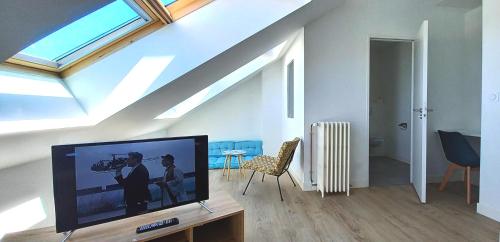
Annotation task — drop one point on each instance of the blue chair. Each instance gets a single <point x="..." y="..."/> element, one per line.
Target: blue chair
<point x="461" y="155"/>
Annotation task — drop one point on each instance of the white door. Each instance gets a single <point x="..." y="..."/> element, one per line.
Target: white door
<point x="419" y="130"/>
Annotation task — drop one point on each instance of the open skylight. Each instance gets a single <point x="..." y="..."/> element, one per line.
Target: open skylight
<point x="86" y="34"/>
<point x="216" y="88"/>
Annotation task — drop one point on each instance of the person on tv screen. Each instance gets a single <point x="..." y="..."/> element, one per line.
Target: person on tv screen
<point x="135" y="185"/>
<point x="173" y="181"/>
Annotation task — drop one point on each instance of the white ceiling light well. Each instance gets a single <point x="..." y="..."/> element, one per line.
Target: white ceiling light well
<point x="216" y="88"/>
<point x="11" y="83"/>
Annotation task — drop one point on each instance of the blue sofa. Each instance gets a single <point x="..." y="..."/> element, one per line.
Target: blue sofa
<point x="216" y="157"/>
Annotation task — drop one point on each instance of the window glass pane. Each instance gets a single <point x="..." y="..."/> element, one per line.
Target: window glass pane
<point x="167" y="2"/>
<point x="83" y="31"/>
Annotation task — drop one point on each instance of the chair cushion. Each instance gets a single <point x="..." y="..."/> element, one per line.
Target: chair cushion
<point x="265" y="164"/>
<point x="286" y="151"/>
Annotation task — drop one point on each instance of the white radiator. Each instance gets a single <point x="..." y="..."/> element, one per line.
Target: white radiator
<point x="331" y="150"/>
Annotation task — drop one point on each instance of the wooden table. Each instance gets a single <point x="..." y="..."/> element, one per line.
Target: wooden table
<point x="227" y="162"/>
<point x="226" y="223"/>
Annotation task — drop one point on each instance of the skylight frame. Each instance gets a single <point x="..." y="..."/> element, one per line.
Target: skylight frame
<point x="156" y="20"/>
<point x="102" y="41"/>
<point x="94" y="44"/>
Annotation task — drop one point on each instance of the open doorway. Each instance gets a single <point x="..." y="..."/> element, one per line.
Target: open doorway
<point x="390" y="114"/>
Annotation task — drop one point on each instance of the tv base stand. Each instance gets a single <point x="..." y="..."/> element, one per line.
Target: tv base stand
<point x="203" y="205"/>
<point x="224" y="223"/>
<point x="67" y="235"/>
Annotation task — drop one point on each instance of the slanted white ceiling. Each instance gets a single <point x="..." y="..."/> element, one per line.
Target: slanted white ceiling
<point x="25" y="21"/>
<point x="138" y="118"/>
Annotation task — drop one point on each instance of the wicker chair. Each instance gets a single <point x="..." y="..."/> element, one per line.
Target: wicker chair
<point x="274" y="166"/>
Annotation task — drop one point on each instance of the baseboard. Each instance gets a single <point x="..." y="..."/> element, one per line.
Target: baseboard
<point x="488" y="211"/>
<point x="456" y="177"/>
<point x="298" y="179"/>
<point x="354" y="184"/>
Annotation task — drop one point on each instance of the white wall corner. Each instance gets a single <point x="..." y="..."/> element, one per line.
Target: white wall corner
<point x="492" y="212"/>
<point x="299" y="179"/>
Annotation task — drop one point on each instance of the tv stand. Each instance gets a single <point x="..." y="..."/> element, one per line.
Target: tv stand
<point x="224" y="223"/>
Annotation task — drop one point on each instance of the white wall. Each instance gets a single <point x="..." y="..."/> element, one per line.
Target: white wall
<point x="390" y="98"/>
<point x="489" y="195"/>
<point x="235" y="114"/>
<point x="473" y="61"/>
<point x="23" y="183"/>
<point x="272" y="108"/>
<point x="337" y="59"/>
<point x="294" y="127"/>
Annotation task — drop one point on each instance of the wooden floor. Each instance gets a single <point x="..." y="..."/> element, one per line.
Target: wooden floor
<point x="370" y="214"/>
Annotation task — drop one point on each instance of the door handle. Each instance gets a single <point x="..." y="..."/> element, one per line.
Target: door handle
<point x="421" y="110"/>
<point x="421" y="113"/>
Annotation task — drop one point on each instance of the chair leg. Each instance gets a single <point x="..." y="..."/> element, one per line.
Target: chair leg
<point x="224" y="167"/>
<point x="446" y="177"/>
<point x="465" y="178"/>
<point x="468" y="184"/>
<point x="253" y="173"/>
<point x="291" y="178"/>
<point x="229" y="167"/>
<point x="263" y="174"/>
<point x="279" y="187"/>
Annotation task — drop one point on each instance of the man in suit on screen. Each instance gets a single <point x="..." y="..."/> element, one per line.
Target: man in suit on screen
<point x="135" y="185"/>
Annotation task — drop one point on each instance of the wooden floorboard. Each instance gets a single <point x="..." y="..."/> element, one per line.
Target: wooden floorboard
<point x="390" y="213"/>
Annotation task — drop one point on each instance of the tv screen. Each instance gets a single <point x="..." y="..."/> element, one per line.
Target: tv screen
<point x="101" y="182"/>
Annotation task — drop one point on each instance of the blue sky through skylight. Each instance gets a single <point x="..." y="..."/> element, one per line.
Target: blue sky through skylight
<point x="84" y="30"/>
<point x="167" y="2"/>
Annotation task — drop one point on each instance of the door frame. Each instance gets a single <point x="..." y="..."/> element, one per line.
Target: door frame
<point x="391" y="39"/>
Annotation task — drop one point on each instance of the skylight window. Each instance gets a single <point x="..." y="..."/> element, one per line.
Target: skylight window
<point x="86" y="34"/>
<point x="167" y="2"/>
<point x="116" y="24"/>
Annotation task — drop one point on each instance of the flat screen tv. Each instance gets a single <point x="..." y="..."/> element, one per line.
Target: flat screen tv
<point x="101" y="182"/>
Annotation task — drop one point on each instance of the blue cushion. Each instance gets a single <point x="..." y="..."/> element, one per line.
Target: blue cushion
<point x="215" y="162"/>
<point x="252" y="147"/>
<point x="249" y="157"/>
<point x="216" y="157"/>
<point x="216" y="148"/>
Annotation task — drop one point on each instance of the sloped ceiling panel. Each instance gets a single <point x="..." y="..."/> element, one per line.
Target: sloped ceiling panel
<point x="138" y="118"/>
